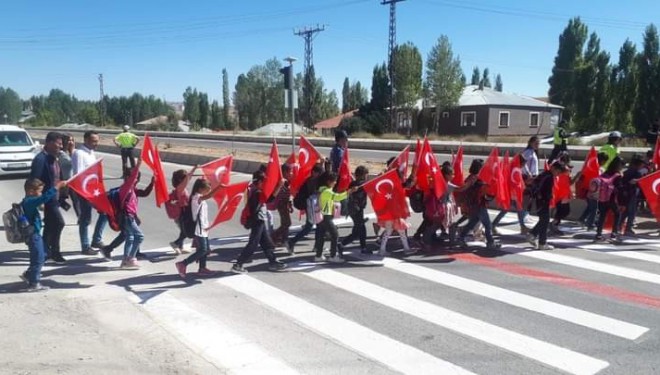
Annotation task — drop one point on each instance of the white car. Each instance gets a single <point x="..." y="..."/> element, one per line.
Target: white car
<point x="17" y="149"/>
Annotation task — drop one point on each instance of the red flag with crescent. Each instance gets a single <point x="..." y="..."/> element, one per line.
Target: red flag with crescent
<point x="457" y="166"/>
<point x="228" y="200"/>
<point x="151" y="158"/>
<point x="388" y="199"/>
<point x="307" y="158"/>
<point x="273" y="173"/>
<point x="429" y="174"/>
<point x="400" y="163"/>
<point x="89" y="185"/>
<point x="590" y="169"/>
<point x="344" y="176"/>
<point x="516" y="182"/>
<point x="503" y="195"/>
<point x="491" y="168"/>
<point x="651" y="189"/>
<point x="219" y="170"/>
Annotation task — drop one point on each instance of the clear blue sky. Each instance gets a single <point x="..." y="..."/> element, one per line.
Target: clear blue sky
<point x="161" y="47"/>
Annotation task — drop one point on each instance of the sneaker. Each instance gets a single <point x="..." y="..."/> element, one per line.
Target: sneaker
<point x="545" y="246"/>
<point x="129" y="264"/>
<point x="98" y="245"/>
<point x="24" y="277"/>
<point x="493" y="246"/>
<point x="615" y="239"/>
<point x="107" y="253"/>
<point x="181" y="269"/>
<point x="37" y="288"/>
<point x="319" y="259"/>
<point x="276" y="266"/>
<point x="175" y="247"/>
<point x="599" y="238"/>
<point x="141" y="255"/>
<point x="629" y="233"/>
<point x="90" y="251"/>
<point x="289" y="247"/>
<point x="531" y="239"/>
<point x="336" y="259"/>
<point x="238" y="268"/>
<point x="58" y="259"/>
<point x="205" y="272"/>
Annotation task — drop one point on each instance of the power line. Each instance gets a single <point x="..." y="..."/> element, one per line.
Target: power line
<point x="308" y="34"/>
<point x="102" y="100"/>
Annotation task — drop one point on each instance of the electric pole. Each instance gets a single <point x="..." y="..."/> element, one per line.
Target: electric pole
<point x="102" y="101"/>
<point x="390" y="54"/>
<point x="308" y="34"/>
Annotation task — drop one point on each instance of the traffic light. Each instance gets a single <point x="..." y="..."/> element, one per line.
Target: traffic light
<point x="288" y="77"/>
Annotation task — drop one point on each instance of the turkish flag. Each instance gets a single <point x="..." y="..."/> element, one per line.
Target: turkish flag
<point x="418" y="153"/>
<point x="273" y="174"/>
<point x="89" y="185"/>
<point x="503" y="195"/>
<point x="516" y="182"/>
<point x="429" y="174"/>
<point x="345" y="176"/>
<point x="590" y="168"/>
<point x="649" y="185"/>
<point x="307" y="158"/>
<point x="656" y="153"/>
<point x="151" y="158"/>
<point x="561" y="189"/>
<point x="490" y="170"/>
<point x="388" y="199"/>
<point x="400" y="163"/>
<point x="218" y="171"/>
<point x="228" y="200"/>
<point x="457" y="166"/>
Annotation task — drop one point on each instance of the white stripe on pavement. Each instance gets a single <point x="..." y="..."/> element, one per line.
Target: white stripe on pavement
<point x="543" y="352"/>
<point x="213" y="340"/>
<point x="628" y="273"/>
<point x="570" y="314"/>
<point x="622" y="252"/>
<point x="391" y="353"/>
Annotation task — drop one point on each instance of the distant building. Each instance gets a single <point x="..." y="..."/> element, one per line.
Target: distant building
<point x="488" y="113"/>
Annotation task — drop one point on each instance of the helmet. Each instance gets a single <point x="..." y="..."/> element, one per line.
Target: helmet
<point x="615" y="134"/>
<point x="126" y="127"/>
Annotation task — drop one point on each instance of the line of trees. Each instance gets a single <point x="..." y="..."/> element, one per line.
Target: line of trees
<point x="601" y="95"/>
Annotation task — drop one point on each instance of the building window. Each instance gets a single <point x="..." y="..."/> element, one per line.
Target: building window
<point x="504" y="119"/>
<point x="445" y="114"/>
<point x="534" y="119"/>
<point x="468" y="118"/>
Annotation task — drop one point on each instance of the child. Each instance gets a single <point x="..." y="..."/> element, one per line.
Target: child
<point x="475" y="198"/>
<point x="284" y="208"/>
<point x="605" y="185"/>
<point x="259" y="235"/>
<point x="199" y="209"/>
<point x="33" y="200"/>
<point x="327" y="199"/>
<point x="541" y="191"/>
<point x="628" y="192"/>
<point x="562" y="194"/>
<point x="588" y="217"/>
<point x="356" y="206"/>
<point x="130" y="227"/>
<point x="306" y="194"/>
<point x="439" y="212"/>
<point x="179" y="198"/>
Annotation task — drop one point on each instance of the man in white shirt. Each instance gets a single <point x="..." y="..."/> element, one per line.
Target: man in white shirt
<point x="81" y="159"/>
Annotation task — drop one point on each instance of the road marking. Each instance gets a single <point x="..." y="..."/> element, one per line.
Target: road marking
<point x="543" y="352"/>
<point x="391" y="353"/>
<point x="570" y="314"/>
<point x="621" y="252"/>
<point x="211" y="339"/>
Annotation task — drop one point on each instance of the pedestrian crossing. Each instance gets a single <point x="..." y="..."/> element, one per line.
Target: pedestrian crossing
<point x="541" y="329"/>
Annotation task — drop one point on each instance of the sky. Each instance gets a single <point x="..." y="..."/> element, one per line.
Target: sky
<point x="161" y="47"/>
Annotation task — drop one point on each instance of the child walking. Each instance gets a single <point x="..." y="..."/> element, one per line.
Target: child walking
<point x="130" y="226"/>
<point x="179" y="199"/>
<point x="327" y="199"/>
<point x="201" y="192"/>
<point x="284" y="208"/>
<point x="542" y="188"/>
<point x="33" y="200"/>
<point x="356" y="205"/>
<point x="588" y="217"/>
<point x="605" y="186"/>
<point x="628" y="192"/>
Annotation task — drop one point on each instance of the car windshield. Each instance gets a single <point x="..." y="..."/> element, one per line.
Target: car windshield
<point x="14" y="138"/>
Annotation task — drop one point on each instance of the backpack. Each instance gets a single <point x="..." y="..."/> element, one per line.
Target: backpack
<point x="17" y="227"/>
<point x="604" y="186"/>
<point x="172" y="208"/>
<point x="246" y="215"/>
<point x="186" y="219"/>
<point x="117" y="207"/>
<point x="417" y="201"/>
<point x="300" y="200"/>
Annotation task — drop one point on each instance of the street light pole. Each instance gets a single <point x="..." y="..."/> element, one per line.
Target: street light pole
<point x="291" y="60"/>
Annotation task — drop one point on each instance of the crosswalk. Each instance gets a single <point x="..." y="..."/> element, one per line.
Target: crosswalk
<point x="446" y="314"/>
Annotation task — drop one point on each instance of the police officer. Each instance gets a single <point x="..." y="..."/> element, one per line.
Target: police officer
<point x="127" y="142"/>
<point x="559" y="141"/>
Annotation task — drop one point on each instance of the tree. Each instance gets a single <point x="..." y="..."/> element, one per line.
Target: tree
<point x="10" y="105"/>
<point x="499" y="86"/>
<point x="204" y="110"/>
<point x="647" y="108"/>
<point x="380" y="87"/>
<point x="258" y="96"/>
<point x="358" y="95"/>
<point x="191" y="110"/>
<point x="407" y="75"/>
<point x="476" y="76"/>
<point x="569" y="55"/>
<point x="216" y="116"/>
<point x="226" y="122"/>
<point x="624" y="87"/>
<point x="346" y="99"/>
<point x="443" y="85"/>
<point x="322" y="104"/>
<point x="485" y="79"/>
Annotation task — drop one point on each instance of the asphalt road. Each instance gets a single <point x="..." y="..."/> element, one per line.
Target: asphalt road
<point x="580" y="309"/>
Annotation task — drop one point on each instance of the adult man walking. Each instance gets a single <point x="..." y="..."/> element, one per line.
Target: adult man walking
<point x="46" y="167"/>
<point x="127" y="142"/>
<point x="82" y="158"/>
<point x="559" y="137"/>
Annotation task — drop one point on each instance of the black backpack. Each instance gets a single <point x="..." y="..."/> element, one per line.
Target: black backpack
<point x="17" y="227"/>
<point x="417" y="201"/>
<point x="187" y="222"/>
<point x="300" y="200"/>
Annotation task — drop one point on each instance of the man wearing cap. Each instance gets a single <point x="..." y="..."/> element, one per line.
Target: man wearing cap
<point x="612" y="147"/>
<point x="127" y="142"/>
<point x="559" y="141"/>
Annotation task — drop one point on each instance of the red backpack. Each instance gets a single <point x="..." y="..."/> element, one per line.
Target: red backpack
<point x="172" y="207"/>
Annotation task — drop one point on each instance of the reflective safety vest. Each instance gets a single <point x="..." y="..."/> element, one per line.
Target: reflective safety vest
<point x="558" y="140"/>
<point x="127" y="140"/>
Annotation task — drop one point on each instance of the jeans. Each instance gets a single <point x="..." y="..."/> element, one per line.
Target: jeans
<point x="282" y="233"/>
<point x="589" y="214"/>
<point x="53" y="226"/>
<point x="134" y="237"/>
<point x="307" y="227"/>
<point x="182" y="236"/>
<point x="327" y="226"/>
<point x="259" y="236"/>
<point x="540" y="230"/>
<point x="101" y="223"/>
<point x="629" y="215"/>
<point x="201" y="252"/>
<point x="603" y="207"/>
<point x="84" y="219"/>
<point x="479" y="216"/>
<point x="127" y="156"/>
<point x="37" y="258"/>
<point x="359" y="230"/>
<point x="521" y="215"/>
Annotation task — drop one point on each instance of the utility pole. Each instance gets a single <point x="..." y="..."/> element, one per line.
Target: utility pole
<point x="308" y="34"/>
<point x="289" y="89"/>
<point x="102" y="101"/>
<point x="390" y="53"/>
